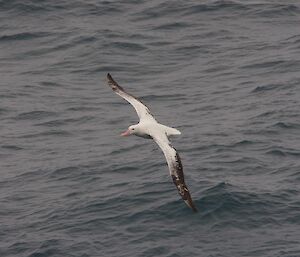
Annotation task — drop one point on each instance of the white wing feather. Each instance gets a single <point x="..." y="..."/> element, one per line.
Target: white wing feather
<point x="141" y="109"/>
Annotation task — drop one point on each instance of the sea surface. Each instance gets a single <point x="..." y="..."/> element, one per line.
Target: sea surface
<point x="225" y="73"/>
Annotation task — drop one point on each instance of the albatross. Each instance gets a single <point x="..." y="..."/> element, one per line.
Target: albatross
<point x="149" y="128"/>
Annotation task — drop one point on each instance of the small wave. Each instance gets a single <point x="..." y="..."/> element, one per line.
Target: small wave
<point x="65" y="45"/>
<point x="268" y="87"/>
<point x="243" y="143"/>
<point x="83" y="39"/>
<point x="57" y="123"/>
<point x="126" y="149"/>
<point x="274" y="10"/>
<point x="82" y="108"/>
<point x="261" y="65"/>
<point x="159" y="43"/>
<point x="172" y="26"/>
<point x="62" y="133"/>
<point x="219" y="5"/>
<point x="108" y="68"/>
<point x="51" y="84"/>
<point x="35" y="115"/>
<point x="159" y="10"/>
<point x="3" y="111"/>
<point x="52" y="123"/>
<point x="129" y="46"/>
<point x="215" y="147"/>
<point x="64" y="173"/>
<point x="276" y="152"/>
<point x="108" y="8"/>
<point x="162" y="96"/>
<point x="125" y="168"/>
<point x="183" y="9"/>
<point x="286" y="125"/>
<point x="23" y="36"/>
<point x="293" y="42"/>
<point x="283" y="153"/>
<point x="158" y="251"/>
<point x="266" y="114"/>
<point x="280" y="66"/>
<point x="24" y="7"/>
<point x="295" y="175"/>
<point x="46" y="252"/>
<point x="192" y="50"/>
<point x="45" y="50"/>
<point x="12" y="147"/>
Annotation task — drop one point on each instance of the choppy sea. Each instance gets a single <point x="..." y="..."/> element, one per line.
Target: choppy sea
<point x="225" y="73"/>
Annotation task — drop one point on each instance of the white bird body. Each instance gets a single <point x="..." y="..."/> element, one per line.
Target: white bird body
<point x="149" y="128"/>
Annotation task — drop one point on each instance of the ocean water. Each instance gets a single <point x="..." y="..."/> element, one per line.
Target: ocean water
<point x="225" y="73"/>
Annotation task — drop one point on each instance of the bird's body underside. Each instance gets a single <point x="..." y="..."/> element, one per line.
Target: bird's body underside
<point x="149" y="128"/>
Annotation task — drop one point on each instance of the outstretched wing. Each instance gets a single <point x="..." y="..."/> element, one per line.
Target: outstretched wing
<point x="175" y="168"/>
<point x="141" y="109"/>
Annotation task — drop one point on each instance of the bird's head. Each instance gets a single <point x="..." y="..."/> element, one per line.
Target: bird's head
<point x="132" y="130"/>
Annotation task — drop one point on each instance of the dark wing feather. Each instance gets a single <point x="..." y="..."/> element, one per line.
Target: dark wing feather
<point x="178" y="179"/>
<point x="175" y="168"/>
<point x="141" y="109"/>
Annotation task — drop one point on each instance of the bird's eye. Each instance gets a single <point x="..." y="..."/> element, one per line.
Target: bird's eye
<point x="132" y="128"/>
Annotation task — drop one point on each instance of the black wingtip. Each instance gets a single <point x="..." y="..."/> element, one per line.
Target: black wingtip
<point x="191" y="205"/>
<point x="110" y="79"/>
<point x="113" y="84"/>
<point x="194" y="209"/>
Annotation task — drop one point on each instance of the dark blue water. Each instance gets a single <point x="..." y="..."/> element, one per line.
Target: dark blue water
<point x="225" y="73"/>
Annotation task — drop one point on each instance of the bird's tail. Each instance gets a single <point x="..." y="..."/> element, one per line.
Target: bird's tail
<point x="172" y="131"/>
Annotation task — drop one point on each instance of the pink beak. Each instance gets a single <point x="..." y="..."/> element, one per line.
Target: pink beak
<point x="126" y="133"/>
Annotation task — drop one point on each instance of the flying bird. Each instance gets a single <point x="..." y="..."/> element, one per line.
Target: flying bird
<point x="149" y="128"/>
